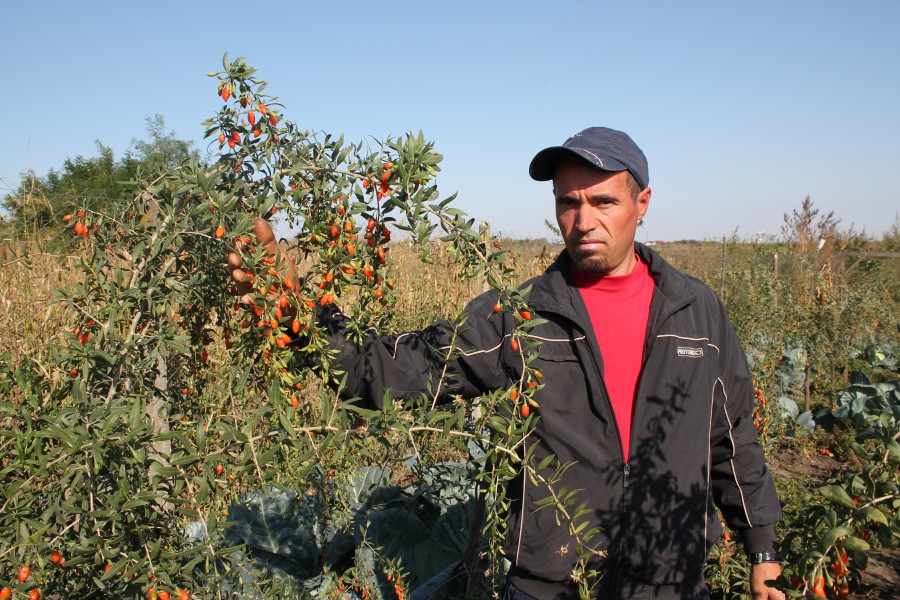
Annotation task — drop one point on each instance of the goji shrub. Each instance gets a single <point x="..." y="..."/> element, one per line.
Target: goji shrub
<point x="173" y="406"/>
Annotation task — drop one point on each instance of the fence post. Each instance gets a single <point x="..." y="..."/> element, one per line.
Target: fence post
<point x="722" y="283"/>
<point x="776" y="279"/>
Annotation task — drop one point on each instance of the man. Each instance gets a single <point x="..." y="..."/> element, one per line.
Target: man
<point x="647" y="396"/>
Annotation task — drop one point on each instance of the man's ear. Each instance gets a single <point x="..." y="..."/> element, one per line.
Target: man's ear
<point x="643" y="202"/>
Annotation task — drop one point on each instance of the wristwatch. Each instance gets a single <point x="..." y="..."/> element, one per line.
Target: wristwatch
<point x="763" y="557"/>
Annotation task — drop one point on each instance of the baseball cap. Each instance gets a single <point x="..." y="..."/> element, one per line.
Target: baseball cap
<point x="604" y="148"/>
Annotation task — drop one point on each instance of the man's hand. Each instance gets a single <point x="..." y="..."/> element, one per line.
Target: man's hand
<point x="266" y="237"/>
<point x="761" y="573"/>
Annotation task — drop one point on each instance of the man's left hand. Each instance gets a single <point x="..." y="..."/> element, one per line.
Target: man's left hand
<point x="761" y="573"/>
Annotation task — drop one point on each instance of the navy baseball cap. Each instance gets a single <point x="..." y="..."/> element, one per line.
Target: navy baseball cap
<point x="604" y="148"/>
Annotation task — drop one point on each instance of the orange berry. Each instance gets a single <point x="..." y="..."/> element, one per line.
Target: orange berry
<point x="5" y="593"/>
<point x="525" y="410"/>
<point x="24" y="573"/>
<point x="514" y="345"/>
<point x="226" y="93"/>
<point x="220" y="231"/>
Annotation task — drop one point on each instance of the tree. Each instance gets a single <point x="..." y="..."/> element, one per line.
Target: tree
<point x="98" y="183"/>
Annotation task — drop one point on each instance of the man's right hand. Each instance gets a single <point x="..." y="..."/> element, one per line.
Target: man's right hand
<point x="265" y="237"/>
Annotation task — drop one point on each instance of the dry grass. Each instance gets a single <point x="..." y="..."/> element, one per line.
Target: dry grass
<point x="31" y="315"/>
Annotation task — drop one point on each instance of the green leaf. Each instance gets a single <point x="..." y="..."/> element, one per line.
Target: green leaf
<point x="871" y="514"/>
<point x="833" y="535"/>
<point x="854" y="543"/>
<point x="837" y="495"/>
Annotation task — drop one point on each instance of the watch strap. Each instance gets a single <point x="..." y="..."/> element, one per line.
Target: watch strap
<point x="764" y="557"/>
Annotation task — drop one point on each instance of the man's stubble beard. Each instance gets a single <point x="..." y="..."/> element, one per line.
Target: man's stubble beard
<point x="597" y="265"/>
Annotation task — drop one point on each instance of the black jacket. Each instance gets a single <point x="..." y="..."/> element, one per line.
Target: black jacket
<point x="693" y="446"/>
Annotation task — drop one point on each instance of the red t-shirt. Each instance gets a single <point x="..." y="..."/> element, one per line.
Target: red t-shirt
<point x="619" y="307"/>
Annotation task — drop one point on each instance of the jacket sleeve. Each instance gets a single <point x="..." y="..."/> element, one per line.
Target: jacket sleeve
<point x="443" y="360"/>
<point x="743" y="487"/>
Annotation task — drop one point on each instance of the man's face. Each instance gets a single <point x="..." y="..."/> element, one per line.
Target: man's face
<point x="598" y="216"/>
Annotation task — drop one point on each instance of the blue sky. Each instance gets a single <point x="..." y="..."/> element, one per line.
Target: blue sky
<point x="743" y="109"/>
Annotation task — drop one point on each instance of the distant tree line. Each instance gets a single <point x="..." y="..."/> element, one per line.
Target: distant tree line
<point x="95" y="183"/>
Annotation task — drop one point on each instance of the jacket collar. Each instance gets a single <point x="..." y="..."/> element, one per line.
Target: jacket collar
<point x="555" y="291"/>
